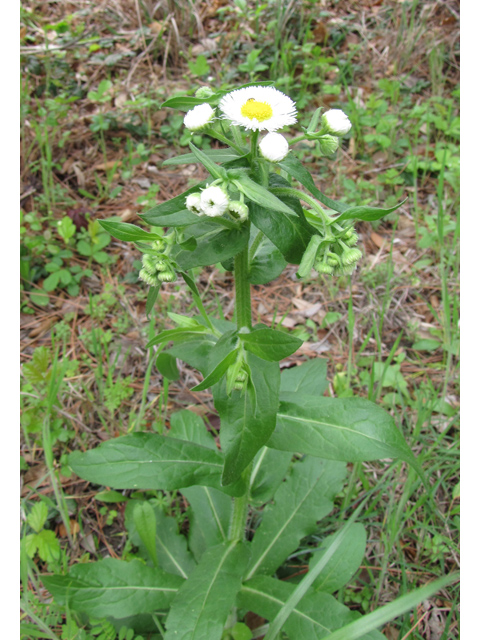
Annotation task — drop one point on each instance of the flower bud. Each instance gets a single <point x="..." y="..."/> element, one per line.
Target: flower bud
<point x="166" y="276"/>
<point x="352" y="240"/>
<point x="351" y="256"/>
<point x="203" y="93"/>
<point x="214" y="201"/>
<point x="239" y="208"/>
<point x="336" y="122"/>
<point x="148" y="262"/>
<point x="193" y="204"/>
<point x="323" y="267"/>
<point x="199" y="117"/>
<point x="274" y="147"/>
<point x="158" y="245"/>
<point x="328" y="144"/>
<point x="147" y="277"/>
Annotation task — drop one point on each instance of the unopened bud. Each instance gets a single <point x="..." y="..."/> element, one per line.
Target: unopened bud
<point x="203" y="93"/>
<point x="158" y="245"/>
<point x="352" y="256"/>
<point x="352" y="240"/>
<point x="323" y="267"/>
<point x="166" y="276"/>
<point x="148" y="263"/>
<point x="328" y="144"/>
<point x="239" y="208"/>
<point x="147" y="277"/>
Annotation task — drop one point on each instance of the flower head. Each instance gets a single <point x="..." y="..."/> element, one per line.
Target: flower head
<point x="198" y="117"/>
<point x="214" y="201"/>
<point x="328" y="144"/>
<point x="336" y="122"/>
<point x="274" y="147"/>
<point x="259" y="108"/>
<point x="194" y="204"/>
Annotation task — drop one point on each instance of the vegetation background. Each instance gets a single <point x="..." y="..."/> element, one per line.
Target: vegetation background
<point x="93" y="139"/>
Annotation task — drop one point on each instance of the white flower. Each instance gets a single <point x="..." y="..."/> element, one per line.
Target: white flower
<point x="214" y="201"/>
<point x="259" y="108"/>
<point x="198" y="117"/>
<point x="193" y="203"/>
<point x="336" y="122"/>
<point x="274" y="147"/>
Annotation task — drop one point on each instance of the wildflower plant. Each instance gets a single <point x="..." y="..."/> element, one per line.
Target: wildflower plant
<point x="282" y="445"/>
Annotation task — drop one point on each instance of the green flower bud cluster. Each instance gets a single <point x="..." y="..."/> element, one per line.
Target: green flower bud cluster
<point x="340" y="256"/>
<point x="237" y="375"/>
<point x="157" y="266"/>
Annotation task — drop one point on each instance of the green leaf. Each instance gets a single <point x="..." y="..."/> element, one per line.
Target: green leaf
<point x="350" y="429"/>
<point x="292" y="165"/>
<point x="261" y="196"/>
<point x="158" y="538"/>
<point x="216" y="245"/>
<point x="203" y="603"/>
<point x="308" y="258"/>
<point x="185" y="103"/>
<point x="269" y="469"/>
<point x="382" y="615"/>
<point x="47" y="545"/>
<point x="217" y="172"/>
<point x="145" y="525"/>
<point x="156" y="215"/>
<point x="187" y="425"/>
<point x="128" y="232"/>
<point x="285" y="230"/>
<point x="218" y="372"/>
<point x="177" y="335"/>
<point x="194" y="352"/>
<point x="151" y="299"/>
<point x="344" y="563"/>
<point x="111" y="496"/>
<point x="167" y="365"/>
<point x="114" y="588"/>
<point x="267" y="264"/>
<point x="305" y="498"/>
<point x="309" y="378"/>
<point x="367" y="213"/>
<point x="85" y="249"/>
<point x="150" y="461"/>
<point x="314" y="617"/>
<point x="183" y="218"/>
<point x="217" y="155"/>
<point x="51" y="283"/>
<point x="209" y="518"/>
<point x="246" y="424"/>
<point x="38" y="516"/>
<point x="270" y="344"/>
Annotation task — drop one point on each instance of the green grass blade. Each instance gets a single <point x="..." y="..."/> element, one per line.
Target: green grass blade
<point x="390" y="611"/>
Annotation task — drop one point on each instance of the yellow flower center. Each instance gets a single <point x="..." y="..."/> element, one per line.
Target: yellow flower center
<point x="253" y="109"/>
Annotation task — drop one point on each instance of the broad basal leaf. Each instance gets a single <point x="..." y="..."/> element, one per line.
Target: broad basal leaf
<point x="315" y="616"/>
<point x="350" y="429"/>
<point x="187" y="425"/>
<point x="209" y="518"/>
<point x="114" y="588"/>
<point x="269" y="469"/>
<point x="169" y="546"/>
<point x="309" y="378"/>
<point x="299" y="503"/>
<point x="150" y="461"/>
<point x="344" y="563"/>
<point x="203" y="603"/>
<point x="247" y="420"/>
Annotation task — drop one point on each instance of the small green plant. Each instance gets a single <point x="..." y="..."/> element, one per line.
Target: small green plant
<point x="283" y="445"/>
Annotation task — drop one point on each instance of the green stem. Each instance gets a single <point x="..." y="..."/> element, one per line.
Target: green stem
<point x="243" y="305"/>
<point x="254" y="246"/>
<point x="289" y="191"/>
<point x="243" y="312"/>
